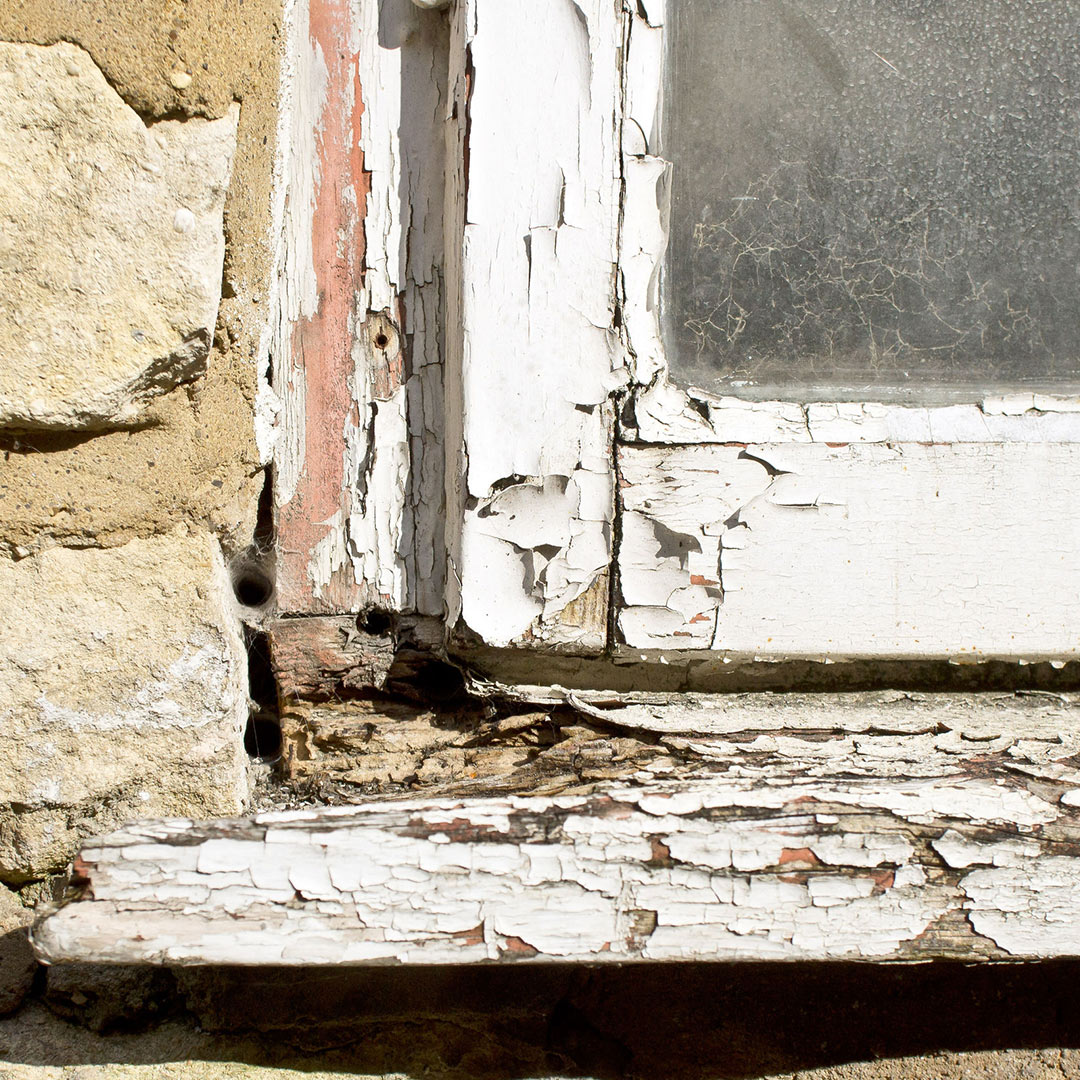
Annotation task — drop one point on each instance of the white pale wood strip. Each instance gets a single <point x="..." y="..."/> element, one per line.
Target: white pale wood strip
<point x="360" y="239"/>
<point x="538" y="206"/>
<point x="867" y="851"/>
<point x="986" y="717"/>
<point x="966" y="551"/>
<point x="664" y="413"/>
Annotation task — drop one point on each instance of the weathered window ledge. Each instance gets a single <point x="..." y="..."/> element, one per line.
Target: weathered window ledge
<point x="928" y="827"/>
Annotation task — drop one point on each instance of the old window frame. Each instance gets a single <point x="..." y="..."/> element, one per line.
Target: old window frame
<point x="889" y="826"/>
<point x="559" y="275"/>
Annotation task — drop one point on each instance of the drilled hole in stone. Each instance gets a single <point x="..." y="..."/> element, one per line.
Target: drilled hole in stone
<point x="252" y="585"/>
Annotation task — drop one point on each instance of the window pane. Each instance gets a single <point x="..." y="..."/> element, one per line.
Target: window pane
<point x="874" y="196"/>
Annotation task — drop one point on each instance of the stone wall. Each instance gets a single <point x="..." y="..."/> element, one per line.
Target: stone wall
<point x="137" y="145"/>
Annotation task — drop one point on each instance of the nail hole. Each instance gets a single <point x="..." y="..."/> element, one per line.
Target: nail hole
<point x="381" y="340"/>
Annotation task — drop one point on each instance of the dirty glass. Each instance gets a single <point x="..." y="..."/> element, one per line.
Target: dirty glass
<point x="873" y="196"/>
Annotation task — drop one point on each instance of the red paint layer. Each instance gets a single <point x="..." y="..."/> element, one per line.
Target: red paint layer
<point x="322" y="344"/>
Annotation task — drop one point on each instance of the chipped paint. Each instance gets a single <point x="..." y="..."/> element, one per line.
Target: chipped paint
<point x="859" y="550"/>
<point x="536" y="187"/>
<point x="840" y="855"/>
<point x="871" y="530"/>
<point x="357" y="364"/>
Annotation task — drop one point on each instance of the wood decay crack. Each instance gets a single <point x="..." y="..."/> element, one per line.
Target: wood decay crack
<point x="591" y="825"/>
<point x="759" y="844"/>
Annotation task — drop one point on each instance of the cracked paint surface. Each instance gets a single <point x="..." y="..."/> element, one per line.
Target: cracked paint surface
<point x="357" y="357"/>
<point x="870" y="530"/>
<point x="537" y="194"/>
<point x="893" y="826"/>
<point x="853" y="550"/>
<point x="858" y="846"/>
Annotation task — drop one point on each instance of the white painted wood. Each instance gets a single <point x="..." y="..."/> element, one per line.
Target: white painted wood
<point x="872" y="847"/>
<point x="1035" y="716"/>
<point x="538" y="212"/>
<point x="665" y="413"/>
<point x="906" y="550"/>
<point x="554" y="234"/>
<point x="359" y="498"/>
<point x="859" y="550"/>
<point x="646" y="196"/>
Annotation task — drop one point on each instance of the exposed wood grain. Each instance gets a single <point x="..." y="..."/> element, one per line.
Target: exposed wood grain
<point x="546" y="741"/>
<point x="315" y="382"/>
<point x="1034" y="714"/>
<point x="357" y="352"/>
<point x="318" y="657"/>
<point x="811" y="846"/>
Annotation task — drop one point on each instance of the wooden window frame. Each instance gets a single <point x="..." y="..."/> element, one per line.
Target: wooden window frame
<point x="746" y="530"/>
<point x="887" y="825"/>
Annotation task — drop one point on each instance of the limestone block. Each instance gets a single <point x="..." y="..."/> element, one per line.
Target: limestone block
<point x="122" y="694"/>
<point x="111" y="243"/>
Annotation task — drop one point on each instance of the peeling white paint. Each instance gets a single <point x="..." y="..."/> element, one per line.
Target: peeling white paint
<point x="664" y="413"/>
<point x="535" y="274"/>
<point x="727" y="867"/>
<point x="552" y="536"/>
<point x="858" y="550"/>
<point x="1027" y="909"/>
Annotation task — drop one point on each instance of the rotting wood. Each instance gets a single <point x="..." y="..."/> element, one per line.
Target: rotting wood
<point x="345" y="751"/>
<point x="546" y="740"/>
<point x="820" y="846"/>
<point x="981" y="717"/>
<point x="319" y="657"/>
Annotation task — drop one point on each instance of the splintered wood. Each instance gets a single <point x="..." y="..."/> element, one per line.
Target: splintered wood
<point x="926" y="841"/>
<point x="321" y="656"/>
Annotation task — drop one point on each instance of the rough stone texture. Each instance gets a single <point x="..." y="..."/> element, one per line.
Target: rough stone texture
<point x="121" y="694"/>
<point x="193" y="456"/>
<point x="111" y="246"/>
<point x="17" y="963"/>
